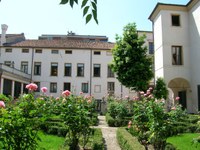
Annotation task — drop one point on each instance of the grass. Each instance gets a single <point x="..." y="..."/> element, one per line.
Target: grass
<point x="50" y="142"/>
<point x="184" y="141"/>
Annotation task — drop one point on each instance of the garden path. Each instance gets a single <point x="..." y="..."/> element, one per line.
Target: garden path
<point x="109" y="134"/>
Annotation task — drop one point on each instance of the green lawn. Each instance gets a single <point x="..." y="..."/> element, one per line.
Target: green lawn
<point x="184" y="141"/>
<point x="50" y="142"/>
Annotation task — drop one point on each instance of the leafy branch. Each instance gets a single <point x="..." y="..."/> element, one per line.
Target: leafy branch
<point x="86" y="6"/>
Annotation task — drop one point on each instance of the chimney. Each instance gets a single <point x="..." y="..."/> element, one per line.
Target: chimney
<point x="4" y="28"/>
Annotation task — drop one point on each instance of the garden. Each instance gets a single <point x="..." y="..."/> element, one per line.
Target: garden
<point x="33" y="122"/>
<point x="146" y="123"/>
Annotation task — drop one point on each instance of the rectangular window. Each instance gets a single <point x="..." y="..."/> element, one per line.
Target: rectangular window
<point x="109" y="53"/>
<point x="80" y="70"/>
<point x="97" y="53"/>
<point x="38" y="51"/>
<point x="8" y="63"/>
<point x="54" y="69"/>
<point x="8" y="50"/>
<point x="53" y="87"/>
<point x="84" y="87"/>
<point x="151" y="48"/>
<point x="175" y="20"/>
<point x="177" y="55"/>
<point x="24" y="66"/>
<point x="37" y="68"/>
<point x="25" y="50"/>
<point x="68" y="51"/>
<point x="67" y="86"/>
<point x="68" y="69"/>
<point x="97" y="88"/>
<point x="38" y="84"/>
<point x="110" y="72"/>
<point x="111" y="88"/>
<point x="54" y="51"/>
<point x="97" y="70"/>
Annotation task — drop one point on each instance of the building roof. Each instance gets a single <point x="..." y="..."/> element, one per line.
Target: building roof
<point x="63" y="44"/>
<point x="164" y="6"/>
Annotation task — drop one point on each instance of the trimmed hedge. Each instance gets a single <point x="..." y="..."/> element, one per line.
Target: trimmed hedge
<point x="127" y="141"/>
<point x="117" y="122"/>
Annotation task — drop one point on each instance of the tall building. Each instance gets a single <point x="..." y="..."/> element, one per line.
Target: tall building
<point x="176" y="30"/>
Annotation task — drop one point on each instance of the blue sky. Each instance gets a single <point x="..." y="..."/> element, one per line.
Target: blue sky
<point x="36" y="17"/>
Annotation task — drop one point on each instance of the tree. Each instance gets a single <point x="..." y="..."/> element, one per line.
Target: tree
<point x="160" y="90"/>
<point x="130" y="61"/>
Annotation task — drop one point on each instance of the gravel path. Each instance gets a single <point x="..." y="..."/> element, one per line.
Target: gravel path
<point x="109" y="134"/>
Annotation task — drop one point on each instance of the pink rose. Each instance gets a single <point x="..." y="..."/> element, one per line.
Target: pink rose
<point x="2" y="104"/>
<point x="32" y="87"/>
<point x="126" y="96"/>
<point x="148" y="92"/>
<point x="129" y="126"/>
<point x="66" y="93"/>
<point x="44" y="89"/>
<point x="130" y="122"/>
<point x="57" y="98"/>
<point x="89" y="101"/>
<point x="173" y="108"/>
<point x="142" y="93"/>
<point x="177" y="98"/>
<point x="81" y="93"/>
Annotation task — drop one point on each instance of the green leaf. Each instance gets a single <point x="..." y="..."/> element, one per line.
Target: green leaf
<point x="95" y="1"/>
<point x="88" y="18"/>
<point x="94" y="6"/>
<point x="64" y="1"/>
<point x="94" y="13"/>
<point x="76" y="1"/>
<point x="85" y="10"/>
<point x="84" y="2"/>
<point x="71" y="3"/>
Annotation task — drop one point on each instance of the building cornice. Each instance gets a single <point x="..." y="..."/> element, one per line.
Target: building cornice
<point x="172" y="7"/>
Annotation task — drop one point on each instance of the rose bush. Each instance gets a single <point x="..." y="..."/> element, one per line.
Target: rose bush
<point x="20" y="121"/>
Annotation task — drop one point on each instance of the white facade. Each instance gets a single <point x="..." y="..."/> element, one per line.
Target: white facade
<point x="176" y="31"/>
<point x="97" y="86"/>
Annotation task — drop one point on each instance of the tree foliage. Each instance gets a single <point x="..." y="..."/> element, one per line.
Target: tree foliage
<point x="86" y="6"/>
<point x="130" y="60"/>
<point x="160" y="90"/>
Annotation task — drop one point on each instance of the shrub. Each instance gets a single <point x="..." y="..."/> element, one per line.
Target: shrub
<point x="127" y="141"/>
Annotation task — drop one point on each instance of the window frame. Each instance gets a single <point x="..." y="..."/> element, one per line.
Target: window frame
<point x="37" y="68"/>
<point x="69" y="68"/>
<point x="53" y="87"/>
<point x="68" y="51"/>
<point x="52" y="69"/>
<point x="84" y="87"/>
<point x="174" y="22"/>
<point x="64" y="87"/>
<point x="177" y="59"/>
<point x="110" y="73"/>
<point x="54" y="51"/>
<point x="111" y="88"/>
<point x="24" y="68"/>
<point x="25" y="50"/>
<point x="96" y="73"/>
<point x="38" y="51"/>
<point x="79" y="72"/>
<point x="97" y="53"/>
<point x="8" y="50"/>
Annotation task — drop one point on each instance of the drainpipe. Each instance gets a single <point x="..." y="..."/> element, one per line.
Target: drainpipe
<point x="32" y="58"/>
<point x="153" y="55"/>
<point x="90" y="71"/>
<point x="0" y="83"/>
